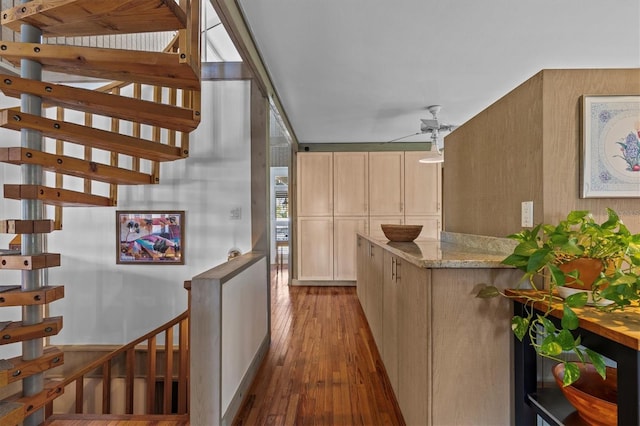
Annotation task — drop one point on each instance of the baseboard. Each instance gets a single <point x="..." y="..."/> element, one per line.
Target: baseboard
<point x="245" y="384"/>
<point x="323" y="283"/>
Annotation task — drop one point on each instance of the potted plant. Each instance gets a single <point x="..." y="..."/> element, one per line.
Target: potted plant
<point x="552" y="258"/>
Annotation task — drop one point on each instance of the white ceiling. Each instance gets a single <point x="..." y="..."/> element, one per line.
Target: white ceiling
<point x="365" y="70"/>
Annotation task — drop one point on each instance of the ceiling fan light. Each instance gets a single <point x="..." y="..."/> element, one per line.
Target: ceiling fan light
<point x="434" y="155"/>
<point x="432" y="158"/>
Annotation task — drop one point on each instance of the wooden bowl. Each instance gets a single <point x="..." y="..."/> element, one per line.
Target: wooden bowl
<point x="594" y="398"/>
<point x="401" y="232"/>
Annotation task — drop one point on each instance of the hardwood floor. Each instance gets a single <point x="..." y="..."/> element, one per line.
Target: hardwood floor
<point x="322" y="367"/>
<point x="116" y="420"/>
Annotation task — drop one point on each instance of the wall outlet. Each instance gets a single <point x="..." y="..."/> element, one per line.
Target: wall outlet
<point x="235" y="213"/>
<point x="527" y="214"/>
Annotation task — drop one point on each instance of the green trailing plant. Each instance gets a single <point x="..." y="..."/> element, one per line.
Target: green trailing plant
<point x="543" y="252"/>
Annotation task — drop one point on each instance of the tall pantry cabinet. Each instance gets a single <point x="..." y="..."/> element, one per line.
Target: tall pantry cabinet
<point x="342" y="193"/>
<point x="327" y="227"/>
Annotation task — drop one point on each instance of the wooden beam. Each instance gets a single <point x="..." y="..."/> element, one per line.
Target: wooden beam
<point x="95" y="102"/>
<point x="28" y="263"/>
<point x="16" y="226"/>
<point x="55" y="196"/>
<point x="87" y="136"/>
<point x="158" y="68"/>
<point x="16" y="368"/>
<point x="16" y="331"/>
<point x="41" y="296"/>
<point x="76" y="167"/>
<point x="74" y="18"/>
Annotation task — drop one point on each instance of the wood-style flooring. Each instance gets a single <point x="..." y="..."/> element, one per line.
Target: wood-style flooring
<point x="322" y="367"/>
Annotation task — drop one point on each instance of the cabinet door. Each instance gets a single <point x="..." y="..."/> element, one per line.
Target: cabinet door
<point x="315" y="184"/>
<point x="374" y="293"/>
<point x="431" y="226"/>
<point x="389" y="352"/>
<point x="315" y="248"/>
<point x="344" y="246"/>
<point x="351" y="183"/>
<point x="386" y="183"/>
<point x="375" y="230"/>
<point x="362" y="267"/>
<point x="413" y="332"/>
<point x="422" y="185"/>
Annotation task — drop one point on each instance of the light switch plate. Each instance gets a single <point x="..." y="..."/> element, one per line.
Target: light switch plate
<point x="527" y="214"/>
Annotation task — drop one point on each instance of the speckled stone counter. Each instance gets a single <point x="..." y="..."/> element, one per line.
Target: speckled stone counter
<point x="453" y="250"/>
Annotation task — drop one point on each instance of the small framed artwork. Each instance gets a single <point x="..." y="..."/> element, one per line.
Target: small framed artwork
<point x="610" y="154"/>
<point x="150" y="237"/>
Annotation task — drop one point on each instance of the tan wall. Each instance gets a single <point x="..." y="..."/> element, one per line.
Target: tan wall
<point x="563" y="90"/>
<point x="525" y="147"/>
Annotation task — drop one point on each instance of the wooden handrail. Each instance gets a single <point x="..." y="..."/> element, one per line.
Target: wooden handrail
<point x="105" y="364"/>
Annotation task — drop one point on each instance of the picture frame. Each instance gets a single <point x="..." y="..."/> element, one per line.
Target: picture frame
<point x="610" y="151"/>
<point x="150" y="237"/>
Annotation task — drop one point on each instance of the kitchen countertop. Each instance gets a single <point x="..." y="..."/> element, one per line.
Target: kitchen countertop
<point x="453" y="250"/>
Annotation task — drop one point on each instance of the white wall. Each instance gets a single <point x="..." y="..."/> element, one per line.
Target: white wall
<point x="106" y="303"/>
<point x="244" y="327"/>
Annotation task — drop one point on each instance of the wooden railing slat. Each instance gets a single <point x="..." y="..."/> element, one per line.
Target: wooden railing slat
<point x="151" y="374"/>
<point x="130" y="374"/>
<point x="183" y="372"/>
<point x="80" y="394"/>
<point x="168" y="370"/>
<point x="106" y="387"/>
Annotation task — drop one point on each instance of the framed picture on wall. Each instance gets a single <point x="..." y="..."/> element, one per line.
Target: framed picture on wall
<point x="610" y="154"/>
<point x="150" y="237"/>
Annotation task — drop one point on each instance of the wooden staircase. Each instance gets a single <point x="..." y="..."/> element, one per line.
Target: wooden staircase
<point x="150" y="105"/>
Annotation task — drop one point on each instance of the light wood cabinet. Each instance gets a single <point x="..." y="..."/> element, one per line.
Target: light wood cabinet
<point x="315" y="184"/>
<point x="345" y="230"/>
<point x="374" y="292"/>
<point x="370" y="286"/>
<point x="412" y="343"/>
<point x="431" y="226"/>
<point x="427" y="343"/>
<point x="359" y="191"/>
<point x="362" y="269"/>
<point x="386" y="183"/>
<point x="389" y="348"/>
<point x="315" y="248"/>
<point x="351" y="183"/>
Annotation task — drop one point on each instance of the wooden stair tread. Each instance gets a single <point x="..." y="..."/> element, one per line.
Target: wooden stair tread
<point x="56" y="196"/>
<point x="16" y="331"/>
<point x="52" y="389"/>
<point x="29" y="262"/>
<point x="73" y="18"/>
<point x="75" y="166"/>
<point x="16" y="368"/>
<point x="95" y="102"/>
<point x="88" y="136"/>
<point x="117" y="419"/>
<point x="17" y="297"/>
<point x="18" y="226"/>
<point x="158" y="68"/>
<point x="11" y="413"/>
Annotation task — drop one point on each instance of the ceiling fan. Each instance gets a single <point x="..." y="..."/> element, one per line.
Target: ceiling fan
<point x="434" y="127"/>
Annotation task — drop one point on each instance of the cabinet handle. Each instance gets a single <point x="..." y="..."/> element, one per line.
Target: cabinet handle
<point x="393" y="269"/>
<point x="401" y="206"/>
<point x="397" y="274"/>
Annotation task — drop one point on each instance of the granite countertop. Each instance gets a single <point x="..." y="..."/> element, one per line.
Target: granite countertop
<point x="451" y="251"/>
